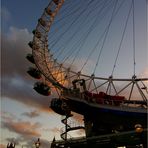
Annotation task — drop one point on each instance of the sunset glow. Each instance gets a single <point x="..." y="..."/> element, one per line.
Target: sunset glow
<point x="25" y="114"/>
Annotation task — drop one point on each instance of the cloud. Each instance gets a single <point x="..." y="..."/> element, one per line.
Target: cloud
<point x="5" y="14"/>
<point x="19" y="89"/>
<point x="14" y="49"/>
<point x="55" y="130"/>
<point x="16" y="83"/>
<point x="78" y="118"/>
<point x="2" y="146"/>
<point x="31" y="114"/>
<point x="80" y="132"/>
<point x="23" y="128"/>
<point x="144" y="73"/>
<point x="26" y="132"/>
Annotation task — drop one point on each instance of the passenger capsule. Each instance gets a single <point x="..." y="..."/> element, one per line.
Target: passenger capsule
<point x="42" y="88"/>
<point x="30" y="58"/>
<point x="56" y="2"/>
<point x="37" y="33"/>
<point x="35" y="73"/>
<point x="30" y="44"/>
<point x="56" y="106"/>
<point x="42" y="22"/>
<point x="33" y="31"/>
<point x="48" y="11"/>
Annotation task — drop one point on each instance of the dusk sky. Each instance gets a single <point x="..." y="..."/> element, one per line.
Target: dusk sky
<point x="25" y="114"/>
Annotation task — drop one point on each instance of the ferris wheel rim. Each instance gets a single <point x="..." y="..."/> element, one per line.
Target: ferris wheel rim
<point x="50" y="77"/>
<point x="80" y="73"/>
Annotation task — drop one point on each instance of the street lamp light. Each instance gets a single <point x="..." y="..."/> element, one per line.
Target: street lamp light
<point x="138" y="128"/>
<point x="37" y="144"/>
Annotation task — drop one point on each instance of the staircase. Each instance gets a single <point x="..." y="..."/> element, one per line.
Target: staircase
<point x="70" y="125"/>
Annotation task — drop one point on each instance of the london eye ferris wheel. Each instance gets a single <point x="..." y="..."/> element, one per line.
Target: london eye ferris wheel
<point x="89" y="53"/>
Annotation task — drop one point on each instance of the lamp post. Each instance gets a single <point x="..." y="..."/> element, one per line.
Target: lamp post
<point x="37" y="143"/>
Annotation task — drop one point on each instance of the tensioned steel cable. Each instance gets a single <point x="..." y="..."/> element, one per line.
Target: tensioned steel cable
<point x="72" y="23"/>
<point x="123" y="34"/>
<point x="90" y="54"/>
<point x="75" y="33"/>
<point x="56" y="23"/>
<point x="114" y="8"/>
<point x="134" y="48"/>
<point x="88" y="32"/>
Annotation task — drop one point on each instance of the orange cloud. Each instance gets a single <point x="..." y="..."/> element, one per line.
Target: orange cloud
<point x="23" y="128"/>
<point x="31" y="114"/>
<point x="144" y="73"/>
<point x="55" y="130"/>
<point x="81" y="132"/>
<point x="2" y="146"/>
<point x="77" y="118"/>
